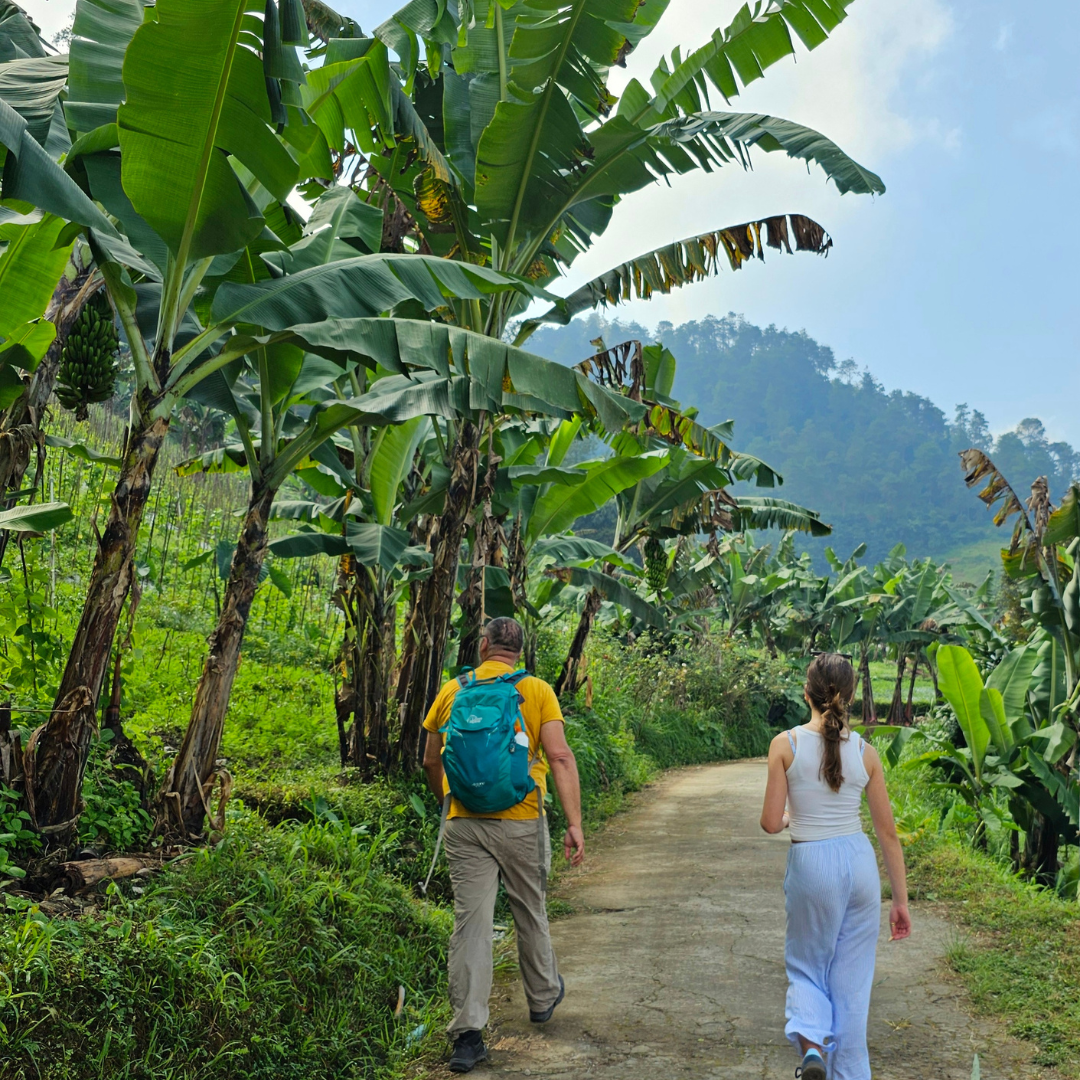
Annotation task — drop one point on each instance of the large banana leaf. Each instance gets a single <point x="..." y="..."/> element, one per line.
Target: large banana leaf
<point x="962" y="686"/>
<point x="560" y="506"/>
<point x="351" y="90"/>
<point x="32" y="88"/>
<point x="759" y="512"/>
<point x="499" y="376"/>
<point x="615" y="591"/>
<point x="1064" y="523"/>
<point x="1011" y="679"/>
<point x="376" y="545"/>
<point x="366" y="285"/>
<point x="757" y="38"/>
<point x="100" y="35"/>
<point x="41" y="517"/>
<point x="32" y="176"/>
<point x="390" y="463"/>
<point x="685" y="262"/>
<point x="30" y="266"/>
<point x="197" y="93"/>
<point x="569" y="549"/>
<point x="371" y="544"/>
<point x="20" y="36"/>
<point x="621" y="157"/>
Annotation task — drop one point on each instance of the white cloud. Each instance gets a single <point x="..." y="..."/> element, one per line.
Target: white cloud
<point x="1004" y="37"/>
<point x="853" y="86"/>
<point x="51" y="15"/>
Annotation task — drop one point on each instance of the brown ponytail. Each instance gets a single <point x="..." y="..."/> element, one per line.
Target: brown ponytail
<point x="830" y="686"/>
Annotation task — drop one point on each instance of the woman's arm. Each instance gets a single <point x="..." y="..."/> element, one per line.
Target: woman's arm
<point x="885" y="827"/>
<point x="773" y="818"/>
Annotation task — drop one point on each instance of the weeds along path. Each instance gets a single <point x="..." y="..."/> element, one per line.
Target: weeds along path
<point x="673" y="959"/>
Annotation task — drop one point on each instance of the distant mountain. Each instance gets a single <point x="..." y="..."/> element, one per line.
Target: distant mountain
<point x="880" y="467"/>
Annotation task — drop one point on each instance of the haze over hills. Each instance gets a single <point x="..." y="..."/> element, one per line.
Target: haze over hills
<point x="879" y="467"/>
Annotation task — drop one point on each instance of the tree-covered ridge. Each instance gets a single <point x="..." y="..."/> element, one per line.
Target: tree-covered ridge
<point x="879" y="466"/>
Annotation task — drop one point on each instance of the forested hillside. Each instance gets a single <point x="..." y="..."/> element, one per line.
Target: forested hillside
<point x="880" y="467"/>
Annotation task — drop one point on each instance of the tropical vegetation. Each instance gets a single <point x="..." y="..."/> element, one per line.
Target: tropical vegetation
<point x="276" y="442"/>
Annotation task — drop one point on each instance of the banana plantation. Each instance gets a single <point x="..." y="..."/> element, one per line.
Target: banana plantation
<point x="273" y="450"/>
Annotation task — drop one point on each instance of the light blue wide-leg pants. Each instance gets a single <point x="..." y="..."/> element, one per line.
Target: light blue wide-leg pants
<point x="833" y="896"/>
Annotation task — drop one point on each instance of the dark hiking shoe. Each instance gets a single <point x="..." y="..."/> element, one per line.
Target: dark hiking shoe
<point x="812" y="1067"/>
<point x="545" y="1016"/>
<point x="469" y="1051"/>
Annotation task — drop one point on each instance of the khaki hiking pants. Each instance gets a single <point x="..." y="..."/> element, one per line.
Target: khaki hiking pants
<point x="479" y="851"/>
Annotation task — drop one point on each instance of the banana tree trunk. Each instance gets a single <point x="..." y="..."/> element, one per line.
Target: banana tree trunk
<point x="909" y="709"/>
<point x="896" y="706"/>
<point x="1041" y="841"/>
<point x="56" y="753"/>
<point x="487" y="550"/>
<point x="191" y="779"/>
<point x="869" y="709"/>
<point x="428" y="625"/>
<point x="367" y="655"/>
<point x="570" y="676"/>
<point x="766" y="630"/>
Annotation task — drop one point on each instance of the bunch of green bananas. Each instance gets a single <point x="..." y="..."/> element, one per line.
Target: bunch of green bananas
<point x="656" y="566"/>
<point x="88" y="362"/>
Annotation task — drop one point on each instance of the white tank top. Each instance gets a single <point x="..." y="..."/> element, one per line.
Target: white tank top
<point x="815" y="811"/>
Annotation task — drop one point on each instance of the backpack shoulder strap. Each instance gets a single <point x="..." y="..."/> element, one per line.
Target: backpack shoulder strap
<point x="466" y="677"/>
<point x="514" y="677"/>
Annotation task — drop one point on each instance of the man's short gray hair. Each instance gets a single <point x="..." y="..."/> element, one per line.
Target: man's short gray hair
<point x="505" y="634"/>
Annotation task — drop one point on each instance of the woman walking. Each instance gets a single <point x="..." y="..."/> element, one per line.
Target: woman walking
<point x="833" y="891"/>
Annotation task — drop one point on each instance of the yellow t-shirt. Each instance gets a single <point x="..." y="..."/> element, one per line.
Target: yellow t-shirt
<point x="540" y="707"/>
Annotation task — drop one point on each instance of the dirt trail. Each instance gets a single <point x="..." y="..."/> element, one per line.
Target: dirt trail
<point x="674" y="968"/>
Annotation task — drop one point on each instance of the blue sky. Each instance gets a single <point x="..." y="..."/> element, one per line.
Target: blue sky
<point x="958" y="282"/>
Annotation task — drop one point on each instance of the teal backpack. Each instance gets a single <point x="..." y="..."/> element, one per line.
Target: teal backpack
<point x="486" y="748"/>
<point x="486" y="754"/>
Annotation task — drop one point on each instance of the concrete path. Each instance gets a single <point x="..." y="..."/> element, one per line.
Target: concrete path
<point x="673" y="959"/>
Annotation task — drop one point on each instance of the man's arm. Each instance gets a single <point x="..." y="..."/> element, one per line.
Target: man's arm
<point x="564" y="772"/>
<point x="433" y="763"/>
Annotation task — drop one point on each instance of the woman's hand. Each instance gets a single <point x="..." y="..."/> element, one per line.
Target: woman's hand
<point x="899" y="922"/>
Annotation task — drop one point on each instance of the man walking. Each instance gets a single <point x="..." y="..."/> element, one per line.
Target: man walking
<point x="484" y="844"/>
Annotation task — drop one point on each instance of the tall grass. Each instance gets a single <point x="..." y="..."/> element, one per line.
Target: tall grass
<point x="277" y="953"/>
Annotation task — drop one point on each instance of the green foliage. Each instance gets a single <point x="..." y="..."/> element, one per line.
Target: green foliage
<point x="278" y="953"/>
<point x="14" y="834"/>
<point x="113" y="817"/>
<point x="706" y="700"/>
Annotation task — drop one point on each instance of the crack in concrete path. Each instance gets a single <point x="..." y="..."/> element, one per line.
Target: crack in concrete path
<point x="688" y="981"/>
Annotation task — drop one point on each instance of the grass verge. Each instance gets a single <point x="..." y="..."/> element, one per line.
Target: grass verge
<point x="1020" y="960"/>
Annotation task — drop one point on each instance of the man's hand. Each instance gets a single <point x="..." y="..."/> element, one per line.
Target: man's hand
<point x="574" y="845"/>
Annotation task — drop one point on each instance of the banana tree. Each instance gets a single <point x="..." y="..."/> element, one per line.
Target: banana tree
<point x="175" y="122"/>
<point x="688" y="494"/>
<point x="1043" y="555"/>
<point x="507" y="152"/>
<point x="1008" y="749"/>
<point x="454" y="373"/>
